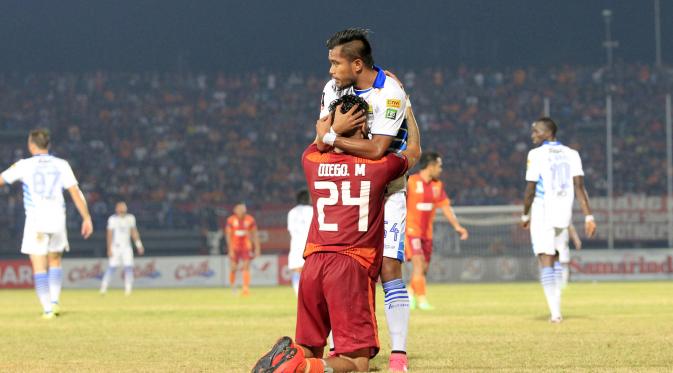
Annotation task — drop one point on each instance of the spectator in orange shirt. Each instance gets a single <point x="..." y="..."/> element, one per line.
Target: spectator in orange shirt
<point x="425" y="193"/>
<point x="241" y="235"/>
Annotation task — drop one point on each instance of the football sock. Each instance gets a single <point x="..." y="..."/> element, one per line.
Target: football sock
<point x="246" y="279"/>
<point x="55" y="283"/>
<point x="295" y="281"/>
<point x="418" y="285"/>
<point x="397" y="313"/>
<point x="312" y="365"/>
<point x="42" y="289"/>
<point x="330" y="341"/>
<point x="106" y="278"/>
<point x="548" y="281"/>
<point x="565" y="275"/>
<point x="232" y="278"/>
<point x="558" y="276"/>
<point x="128" y="279"/>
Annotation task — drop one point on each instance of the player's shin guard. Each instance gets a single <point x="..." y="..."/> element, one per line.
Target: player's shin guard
<point x="397" y="313"/>
<point x="295" y="282"/>
<point x="42" y="289"/>
<point x="128" y="279"/>
<point x="55" y="283"/>
<point x="106" y="278"/>
<point x="548" y="281"/>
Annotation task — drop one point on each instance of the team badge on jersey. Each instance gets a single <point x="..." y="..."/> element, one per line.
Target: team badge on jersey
<point x="391" y="113"/>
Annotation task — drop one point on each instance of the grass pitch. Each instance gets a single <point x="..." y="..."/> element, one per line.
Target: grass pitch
<point x="608" y="327"/>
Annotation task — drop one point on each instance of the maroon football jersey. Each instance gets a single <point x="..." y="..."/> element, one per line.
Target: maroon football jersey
<point x="347" y="195"/>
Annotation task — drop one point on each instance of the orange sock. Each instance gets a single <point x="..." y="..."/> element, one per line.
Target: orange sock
<point x="418" y="285"/>
<point x="311" y="365"/>
<point x="246" y="279"/>
<point x="232" y="278"/>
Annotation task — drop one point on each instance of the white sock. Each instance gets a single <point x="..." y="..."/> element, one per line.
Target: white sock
<point x="42" y="289"/>
<point x="397" y="313"/>
<point x="558" y="276"/>
<point x="128" y="279"/>
<point x="565" y="275"/>
<point x="106" y="278"/>
<point x="55" y="283"/>
<point x="548" y="281"/>
<point x="295" y="282"/>
<point x="330" y="341"/>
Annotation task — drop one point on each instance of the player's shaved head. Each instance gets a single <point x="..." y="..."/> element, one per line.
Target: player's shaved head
<point x="548" y="125"/>
<point x="354" y="45"/>
<point x="40" y="137"/>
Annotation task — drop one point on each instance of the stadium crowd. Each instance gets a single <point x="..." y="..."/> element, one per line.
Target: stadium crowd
<point x="172" y="143"/>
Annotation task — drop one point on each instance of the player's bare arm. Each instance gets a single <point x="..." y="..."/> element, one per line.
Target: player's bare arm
<point x="83" y="209"/>
<point x="254" y="237"/>
<point x="136" y="240"/>
<point x="453" y="220"/>
<point x="574" y="237"/>
<point x="528" y="197"/>
<point x="370" y="149"/>
<point x="109" y="242"/>
<point x="583" y="197"/>
<point x="2" y="182"/>
<point x="413" y="151"/>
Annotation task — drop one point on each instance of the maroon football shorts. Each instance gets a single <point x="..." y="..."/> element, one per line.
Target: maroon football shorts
<point x="336" y="292"/>
<point x="421" y="246"/>
<point x="241" y="254"/>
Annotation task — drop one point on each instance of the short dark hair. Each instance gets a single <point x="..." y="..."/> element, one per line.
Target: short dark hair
<point x="427" y="158"/>
<point x="347" y="102"/>
<point x="354" y="44"/>
<point x="549" y="124"/>
<point x="40" y="137"/>
<point x="303" y="197"/>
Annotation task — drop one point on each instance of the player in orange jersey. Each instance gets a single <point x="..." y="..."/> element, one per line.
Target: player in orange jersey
<point x="242" y="237"/>
<point x="425" y="193"/>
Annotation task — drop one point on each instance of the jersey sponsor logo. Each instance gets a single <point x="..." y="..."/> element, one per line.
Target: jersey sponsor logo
<point x="391" y="113"/>
<point x="392" y="103"/>
<point x="424" y="206"/>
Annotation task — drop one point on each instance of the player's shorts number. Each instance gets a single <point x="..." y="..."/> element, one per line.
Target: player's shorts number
<point x="362" y="202"/>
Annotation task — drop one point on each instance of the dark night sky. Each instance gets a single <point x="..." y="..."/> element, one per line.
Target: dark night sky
<point x="289" y="35"/>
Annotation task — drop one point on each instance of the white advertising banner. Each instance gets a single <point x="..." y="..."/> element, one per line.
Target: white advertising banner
<point x="621" y="265"/>
<point x="178" y="271"/>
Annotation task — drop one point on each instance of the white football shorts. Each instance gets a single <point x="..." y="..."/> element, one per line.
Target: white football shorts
<point x="121" y="255"/>
<point x="545" y="238"/>
<point x="40" y="243"/>
<point x="395" y="216"/>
